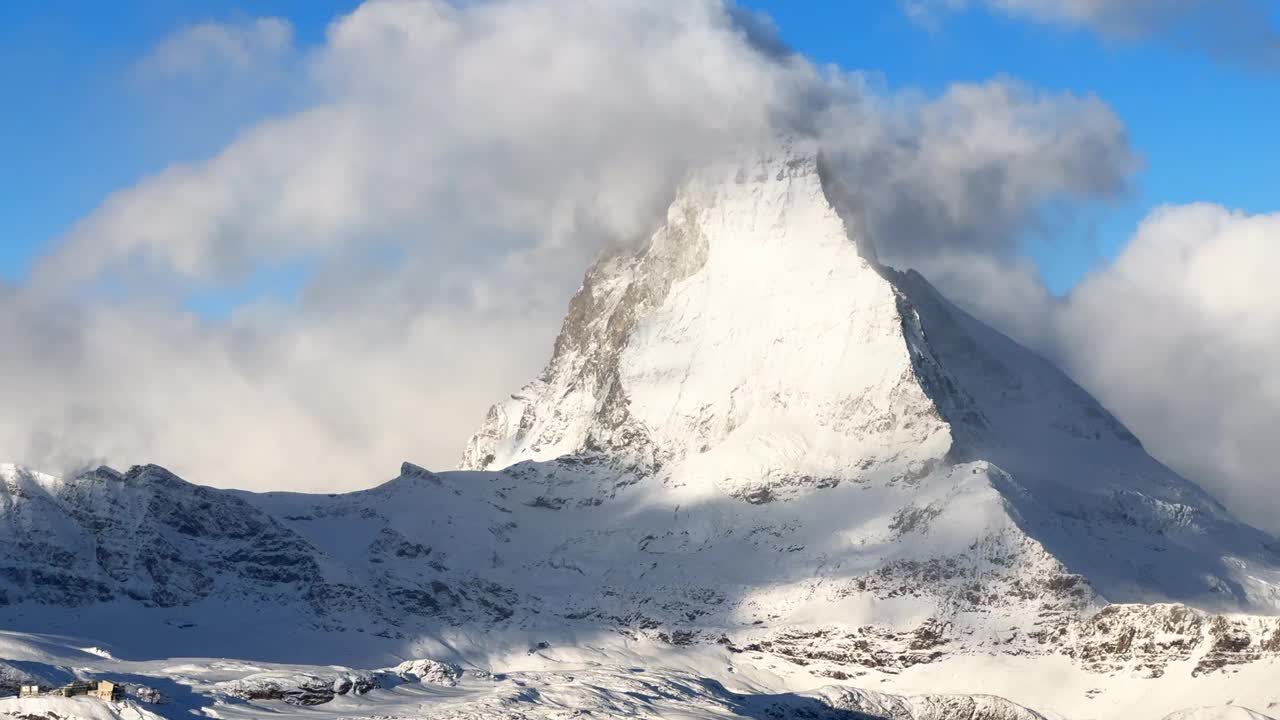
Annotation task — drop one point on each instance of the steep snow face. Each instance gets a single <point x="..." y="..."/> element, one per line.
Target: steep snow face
<point x="1078" y="480"/>
<point x="748" y="347"/>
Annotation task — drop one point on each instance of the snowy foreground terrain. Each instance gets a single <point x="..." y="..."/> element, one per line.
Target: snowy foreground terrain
<point x="762" y="476"/>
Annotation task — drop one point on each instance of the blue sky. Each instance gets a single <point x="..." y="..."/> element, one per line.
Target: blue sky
<point x="81" y="124"/>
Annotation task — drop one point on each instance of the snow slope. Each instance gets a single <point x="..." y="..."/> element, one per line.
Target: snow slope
<point x="754" y="449"/>
<point x="589" y="681"/>
<point x="1217" y="713"/>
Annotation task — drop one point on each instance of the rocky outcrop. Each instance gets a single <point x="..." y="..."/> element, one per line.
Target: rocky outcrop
<point x="427" y="671"/>
<point x="297" y="688"/>
<point x="926" y="707"/>
<point x="1148" y="639"/>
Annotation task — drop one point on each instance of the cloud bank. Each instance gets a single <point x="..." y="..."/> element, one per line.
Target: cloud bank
<point x="1180" y="338"/>
<point x="455" y="169"/>
<point x="973" y="169"/>
<point x="456" y="172"/>
<point x="1176" y="336"/>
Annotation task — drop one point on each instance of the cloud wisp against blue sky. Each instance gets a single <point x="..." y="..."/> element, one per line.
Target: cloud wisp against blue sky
<point x="1246" y="32"/>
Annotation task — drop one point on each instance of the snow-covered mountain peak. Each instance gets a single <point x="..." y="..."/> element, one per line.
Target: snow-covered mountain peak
<point x="752" y="347"/>
<point x="13" y="477"/>
<point x="750" y="351"/>
<point x="748" y="347"/>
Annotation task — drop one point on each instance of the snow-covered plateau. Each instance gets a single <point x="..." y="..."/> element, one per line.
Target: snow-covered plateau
<point x="762" y="476"/>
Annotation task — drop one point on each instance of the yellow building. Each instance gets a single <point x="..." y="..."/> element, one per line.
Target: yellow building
<point x="101" y="689"/>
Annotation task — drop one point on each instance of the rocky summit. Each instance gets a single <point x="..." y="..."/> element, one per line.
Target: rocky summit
<point x="762" y="475"/>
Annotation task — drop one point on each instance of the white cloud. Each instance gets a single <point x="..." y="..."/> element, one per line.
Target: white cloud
<point x="505" y="120"/>
<point x="213" y="48"/>
<point x="329" y="399"/>
<point x="1110" y="16"/>
<point x="1181" y="338"/>
<point x="1178" y="337"/>
<point x="454" y="173"/>
<point x="1244" y="31"/>
<point x="973" y="169"/>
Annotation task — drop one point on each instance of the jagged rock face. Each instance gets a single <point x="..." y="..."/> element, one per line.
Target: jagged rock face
<point x="144" y="535"/>
<point x="926" y="707"/>
<point x="1145" y="639"/>
<point x="292" y="688"/>
<point x="149" y="537"/>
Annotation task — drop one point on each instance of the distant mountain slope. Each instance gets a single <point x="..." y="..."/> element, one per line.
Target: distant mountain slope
<point x="144" y="535"/>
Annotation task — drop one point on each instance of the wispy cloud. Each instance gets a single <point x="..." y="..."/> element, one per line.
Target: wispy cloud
<point x="1246" y="32"/>
<point x="217" y="48"/>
